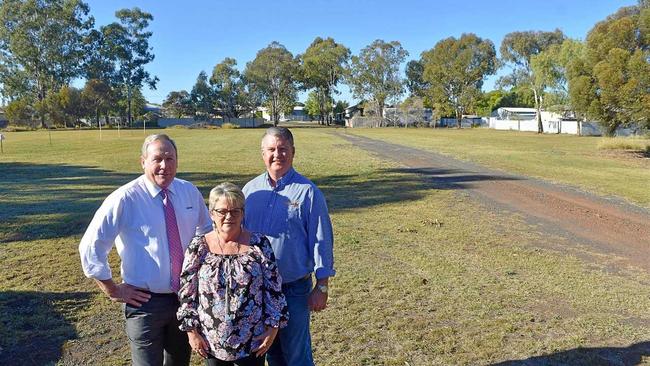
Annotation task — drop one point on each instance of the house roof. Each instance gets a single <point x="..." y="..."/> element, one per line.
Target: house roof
<point x="518" y="110"/>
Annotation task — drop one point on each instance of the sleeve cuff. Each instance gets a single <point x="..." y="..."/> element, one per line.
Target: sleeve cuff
<point x="324" y="272"/>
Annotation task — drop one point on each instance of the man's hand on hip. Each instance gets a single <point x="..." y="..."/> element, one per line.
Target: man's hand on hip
<point x="124" y="292"/>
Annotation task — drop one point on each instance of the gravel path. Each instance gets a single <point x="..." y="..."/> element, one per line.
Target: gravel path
<point x="607" y="228"/>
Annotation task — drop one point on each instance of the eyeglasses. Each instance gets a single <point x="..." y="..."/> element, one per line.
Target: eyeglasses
<point x="235" y="212"/>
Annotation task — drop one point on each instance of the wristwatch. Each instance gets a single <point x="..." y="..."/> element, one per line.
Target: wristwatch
<point x="322" y="288"/>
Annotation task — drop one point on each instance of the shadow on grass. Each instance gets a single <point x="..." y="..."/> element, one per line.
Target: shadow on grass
<point x="632" y="355"/>
<point x="35" y="325"/>
<point x="394" y="185"/>
<point x="45" y="201"/>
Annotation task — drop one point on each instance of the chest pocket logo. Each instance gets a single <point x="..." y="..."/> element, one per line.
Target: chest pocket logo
<point x="293" y="209"/>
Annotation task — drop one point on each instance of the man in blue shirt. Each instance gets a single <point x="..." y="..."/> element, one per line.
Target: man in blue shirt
<point x="291" y="211"/>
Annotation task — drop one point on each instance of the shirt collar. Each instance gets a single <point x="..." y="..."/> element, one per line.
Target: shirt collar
<point x="283" y="181"/>
<point x="153" y="188"/>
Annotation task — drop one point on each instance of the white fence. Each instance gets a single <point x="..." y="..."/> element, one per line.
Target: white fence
<point x="241" y="122"/>
<point x="568" y="127"/>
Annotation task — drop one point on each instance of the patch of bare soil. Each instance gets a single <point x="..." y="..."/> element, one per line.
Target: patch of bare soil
<point x="611" y="227"/>
<point x="640" y="157"/>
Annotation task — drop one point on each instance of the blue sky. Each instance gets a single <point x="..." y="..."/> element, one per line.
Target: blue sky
<point x="194" y="35"/>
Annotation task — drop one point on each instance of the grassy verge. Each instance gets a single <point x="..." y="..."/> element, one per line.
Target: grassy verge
<point x="625" y="143"/>
<point x="572" y="160"/>
<point x="425" y="276"/>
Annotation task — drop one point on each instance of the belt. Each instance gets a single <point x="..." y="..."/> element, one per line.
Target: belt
<point x="159" y="294"/>
<point x="305" y="277"/>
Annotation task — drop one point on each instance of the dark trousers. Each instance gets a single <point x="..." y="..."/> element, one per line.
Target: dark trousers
<point x="154" y="335"/>
<point x="246" y="361"/>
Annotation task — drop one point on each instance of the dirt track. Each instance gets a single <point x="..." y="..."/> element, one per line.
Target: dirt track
<point x="605" y="227"/>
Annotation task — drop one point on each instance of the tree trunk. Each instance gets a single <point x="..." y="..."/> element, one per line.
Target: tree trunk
<point x="128" y="106"/>
<point x="538" y="108"/>
<point x="579" y="128"/>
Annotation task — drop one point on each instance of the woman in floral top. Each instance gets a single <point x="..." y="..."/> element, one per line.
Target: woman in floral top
<point x="231" y="292"/>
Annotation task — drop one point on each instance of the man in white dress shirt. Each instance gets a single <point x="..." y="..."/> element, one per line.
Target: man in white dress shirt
<point x="151" y="221"/>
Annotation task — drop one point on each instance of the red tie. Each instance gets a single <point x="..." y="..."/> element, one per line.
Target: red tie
<point x="174" y="240"/>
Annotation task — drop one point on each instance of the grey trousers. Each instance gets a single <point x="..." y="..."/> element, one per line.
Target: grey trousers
<point x="154" y="335"/>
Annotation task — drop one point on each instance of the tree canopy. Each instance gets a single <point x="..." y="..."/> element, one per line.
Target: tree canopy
<point x="323" y="65"/>
<point x="517" y="51"/>
<point x="273" y="74"/>
<point x="455" y="70"/>
<point x="374" y="75"/>
<point x="611" y="82"/>
<point x="41" y="46"/>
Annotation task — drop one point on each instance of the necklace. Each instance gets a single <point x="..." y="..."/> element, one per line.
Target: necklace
<point x="223" y="245"/>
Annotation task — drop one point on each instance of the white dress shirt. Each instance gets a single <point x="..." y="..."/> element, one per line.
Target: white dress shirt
<point x="133" y="219"/>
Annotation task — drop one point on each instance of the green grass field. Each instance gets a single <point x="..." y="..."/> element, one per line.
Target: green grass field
<point x="476" y="289"/>
<point x="583" y="162"/>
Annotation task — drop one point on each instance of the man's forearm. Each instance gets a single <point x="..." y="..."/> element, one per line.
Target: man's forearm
<point x="107" y="286"/>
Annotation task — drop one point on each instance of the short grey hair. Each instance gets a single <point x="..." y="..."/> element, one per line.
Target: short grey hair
<point x="157" y="137"/>
<point x="280" y="132"/>
<point x="233" y="194"/>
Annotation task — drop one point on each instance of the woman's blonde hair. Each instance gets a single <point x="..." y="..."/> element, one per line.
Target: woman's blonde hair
<point x="233" y="194"/>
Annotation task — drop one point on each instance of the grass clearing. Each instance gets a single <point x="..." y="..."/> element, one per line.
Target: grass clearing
<point x="573" y="160"/>
<point x="625" y="143"/>
<point x="473" y="290"/>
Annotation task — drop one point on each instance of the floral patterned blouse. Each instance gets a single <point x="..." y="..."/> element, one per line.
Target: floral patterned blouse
<point x="230" y="299"/>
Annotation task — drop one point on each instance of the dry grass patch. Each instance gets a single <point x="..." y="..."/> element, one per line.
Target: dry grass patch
<point x="425" y="276"/>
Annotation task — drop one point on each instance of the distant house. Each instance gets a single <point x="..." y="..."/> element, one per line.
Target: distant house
<point x="525" y="119"/>
<point x="156" y="109"/>
<point x="297" y="114"/>
<point x="408" y="117"/>
<point x="515" y="113"/>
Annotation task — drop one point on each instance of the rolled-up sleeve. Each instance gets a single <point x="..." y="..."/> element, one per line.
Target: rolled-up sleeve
<point x="320" y="236"/>
<point x="99" y="238"/>
<point x="205" y="222"/>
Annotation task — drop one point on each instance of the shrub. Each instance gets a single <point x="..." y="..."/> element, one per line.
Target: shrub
<point x="18" y="128"/>
<point x="624" y="143"/>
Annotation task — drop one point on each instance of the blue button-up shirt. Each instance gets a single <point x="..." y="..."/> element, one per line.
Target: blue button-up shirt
<point x="293" y="215"/>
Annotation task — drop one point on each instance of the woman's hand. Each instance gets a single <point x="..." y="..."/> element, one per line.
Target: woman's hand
<point x="198" y="343"/>
<point x="267" y="340"/>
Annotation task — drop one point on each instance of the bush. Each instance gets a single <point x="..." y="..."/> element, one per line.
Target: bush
<point x="19" y="128"/>
<point x="624" y="143"/>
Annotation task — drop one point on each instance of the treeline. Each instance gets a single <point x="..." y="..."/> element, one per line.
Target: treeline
<point x="46" y="44"/>
<point x="605" y="78"/>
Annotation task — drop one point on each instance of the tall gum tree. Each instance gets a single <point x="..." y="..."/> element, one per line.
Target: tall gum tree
<point x="611" y="82"/>
<point x="550" y="74"/>
<point x="454" y="71"/>
<point x="232" y="94"/>
<point x="517" y="49"/>
<point x="128" y="44"/>
<point x="272" y="74"/>
<point x="375" y="76"/>
<point x="41" y="47"/>
<point x="323" y="65"/>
